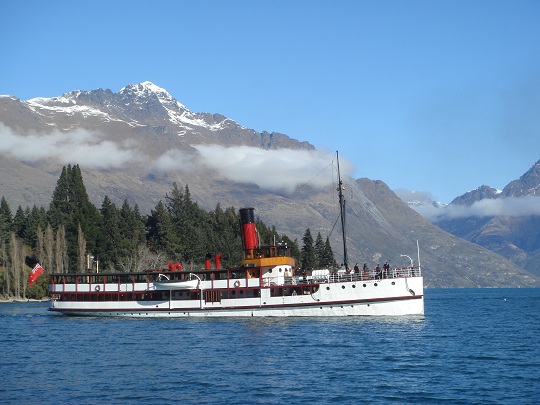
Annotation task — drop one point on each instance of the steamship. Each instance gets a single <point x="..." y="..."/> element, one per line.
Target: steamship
<point x="267" y="283"/>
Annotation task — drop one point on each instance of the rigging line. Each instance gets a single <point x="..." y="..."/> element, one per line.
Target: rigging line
<point x="332" y="230"/>
<point x="302" y="185"/>
<point x="316" y="175"/>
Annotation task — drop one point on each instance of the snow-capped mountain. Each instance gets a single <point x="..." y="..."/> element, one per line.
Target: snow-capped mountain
<point x="135" y="104"/>
<point x="133" y="144"/>
<point x="421" y="202"/>
<point x="526" y="185"/>
<point x="506" y="222"/>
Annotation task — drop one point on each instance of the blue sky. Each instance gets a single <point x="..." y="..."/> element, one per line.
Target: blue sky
<point x="433" y="96"/>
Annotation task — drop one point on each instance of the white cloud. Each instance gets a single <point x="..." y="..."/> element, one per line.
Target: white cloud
<point x="77" y="147"/>
<point x="174" y="160"/>
<point x="509" y="206"/>
<point x="414" y="196"/>
<point x="276" y="170"/>
<point x="279" y="169"/>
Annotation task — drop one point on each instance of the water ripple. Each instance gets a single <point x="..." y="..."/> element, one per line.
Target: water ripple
<point x="472" y="346"/>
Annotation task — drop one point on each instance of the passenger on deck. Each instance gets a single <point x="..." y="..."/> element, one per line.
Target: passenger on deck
<point x="386" y="269"/>
<point x="378" y="272"/>
<point x="356" y="268"/>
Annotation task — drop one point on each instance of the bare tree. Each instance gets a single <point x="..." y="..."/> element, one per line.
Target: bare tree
<point x="141" y="259"/>
<point x="40" y="245"/>
<point x="23" y="267"/>
<point x="81" y="242"/>
<point x="4" y="264"/>
<point x="48" y="245"/>
<point x="61" y="257"/>
<point x="15" y="265"/>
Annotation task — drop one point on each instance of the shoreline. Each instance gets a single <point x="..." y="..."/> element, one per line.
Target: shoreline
<point x="21" y="300"/>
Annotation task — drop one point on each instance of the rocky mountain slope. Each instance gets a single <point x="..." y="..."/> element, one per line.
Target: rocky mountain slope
<point x="135" y="143"/>
<point x="506" y="222"/>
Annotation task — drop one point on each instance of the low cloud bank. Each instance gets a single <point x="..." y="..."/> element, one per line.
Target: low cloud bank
<point x="510" y="206"/>
<point x="82" y="147"/>
<point x="280" y="169"/>
<point x="274" y="170"/>
<point x="174" y="160"/>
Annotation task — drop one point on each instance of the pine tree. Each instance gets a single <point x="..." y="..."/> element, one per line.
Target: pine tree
<point x="59" y="208"/>
<point x="36" y="217"/>
<point x="308" y="252"/>
<point x="109" y="248"/>
<point x="70" y="206"/>
<point x="132" y="232"/>
<point x="328" y="260"/>
<point x="190" y="223"/>
<point x="319" y="251"/>
<point x="224" y="236"/>
<point x="6" y="220"/>
<point x="20" y="222"/>
<point x="160" y="232"/>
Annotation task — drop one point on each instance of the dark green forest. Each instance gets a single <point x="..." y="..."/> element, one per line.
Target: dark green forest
<point x="74" y="236"/>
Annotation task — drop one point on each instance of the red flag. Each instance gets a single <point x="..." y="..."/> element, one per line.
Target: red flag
<point x="34" y="274"/>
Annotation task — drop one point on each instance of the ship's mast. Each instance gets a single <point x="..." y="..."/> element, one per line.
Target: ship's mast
<point x="342" y="215"/>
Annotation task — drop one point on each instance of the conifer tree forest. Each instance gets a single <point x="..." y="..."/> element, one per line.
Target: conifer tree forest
<point x="74" y="236"/>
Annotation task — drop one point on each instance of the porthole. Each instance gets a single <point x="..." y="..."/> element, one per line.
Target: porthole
<point x="393" y="283"/>
<point x="343" y="286"/>
<point x="328" y="288"/>
<point x="375" y="284"/>
<point x="363" y="285"/>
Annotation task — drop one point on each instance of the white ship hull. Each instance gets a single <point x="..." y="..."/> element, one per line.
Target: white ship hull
<point x="386" y="297"/>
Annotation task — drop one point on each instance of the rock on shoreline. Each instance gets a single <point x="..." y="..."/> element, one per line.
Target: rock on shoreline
<point x="21" y="300"/>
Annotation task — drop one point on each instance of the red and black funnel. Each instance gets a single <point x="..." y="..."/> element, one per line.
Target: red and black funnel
<point x="249" y="233"/>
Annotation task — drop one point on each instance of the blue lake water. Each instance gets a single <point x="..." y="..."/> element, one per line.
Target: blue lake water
<point x="472" y="346"/>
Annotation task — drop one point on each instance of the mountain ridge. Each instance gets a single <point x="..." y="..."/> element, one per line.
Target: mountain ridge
<point x="224" y="162"/>
<point x="510" y="225"/>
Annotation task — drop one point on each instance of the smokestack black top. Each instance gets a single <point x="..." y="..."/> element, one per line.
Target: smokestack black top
<point x="247" y="215"/>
